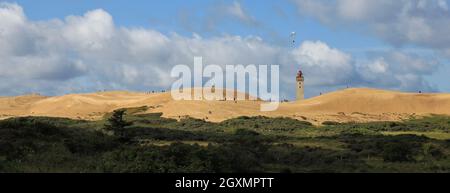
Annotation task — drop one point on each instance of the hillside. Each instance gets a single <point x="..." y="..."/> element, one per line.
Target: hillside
<point x="357" y="104"/>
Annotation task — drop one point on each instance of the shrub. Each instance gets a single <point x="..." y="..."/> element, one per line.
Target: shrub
<point x="397" y="152"/>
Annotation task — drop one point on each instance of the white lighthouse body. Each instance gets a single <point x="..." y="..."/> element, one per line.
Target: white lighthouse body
<point x="300" y="89"/>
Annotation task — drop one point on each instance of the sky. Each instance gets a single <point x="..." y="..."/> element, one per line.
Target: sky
<point x="58" y="47"/>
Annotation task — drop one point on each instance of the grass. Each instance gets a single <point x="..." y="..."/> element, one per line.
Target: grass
<point x="318" y="143"/>
<point x="431" y="134"/>
<point x="168" y="143"/>
<point x="243" y="144"/>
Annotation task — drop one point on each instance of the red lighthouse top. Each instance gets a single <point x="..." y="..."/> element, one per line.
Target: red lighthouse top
<point x="299" y="75"/>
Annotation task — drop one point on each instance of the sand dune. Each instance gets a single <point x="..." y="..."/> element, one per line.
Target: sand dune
<point x="364" y="104"/>
<point x="378" y="101"/>
<point x="358" y="104"/>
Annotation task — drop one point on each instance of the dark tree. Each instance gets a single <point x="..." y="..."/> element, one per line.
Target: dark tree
<point x="117" y="124"/>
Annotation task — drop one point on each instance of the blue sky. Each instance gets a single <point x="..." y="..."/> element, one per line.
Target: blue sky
<point x="397" y="45"/>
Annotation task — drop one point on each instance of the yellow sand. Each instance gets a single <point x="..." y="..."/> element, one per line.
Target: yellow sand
<point x="358" y="104"/>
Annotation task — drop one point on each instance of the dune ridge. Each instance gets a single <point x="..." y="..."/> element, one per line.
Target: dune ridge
<point x="355" y="104"/>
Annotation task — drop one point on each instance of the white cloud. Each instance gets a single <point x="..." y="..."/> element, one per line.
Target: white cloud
<point x="319" y="60"/>
<point x="13" y="15"/>
<point x="219" y="14"/>
<point x="379" y="66"/>
<point x="327" y="67"/>
<point x="417" y="22"/>
<point x="90" y="53"/>
<point x="91" y="31"/>
<point x="398" y="70"/>
<point x="237" y="11"/>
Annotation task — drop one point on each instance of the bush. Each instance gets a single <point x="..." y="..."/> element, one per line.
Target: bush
<point x="330" y="123"/>
<point x="397" y="152"/>
<point x="433" y="151"/>
<point x="266" y="124"/>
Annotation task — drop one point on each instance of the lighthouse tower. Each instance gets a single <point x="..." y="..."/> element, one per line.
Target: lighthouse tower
<point x="300" y="90"/>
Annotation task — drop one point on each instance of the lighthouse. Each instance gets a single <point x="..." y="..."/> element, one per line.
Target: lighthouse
<point x="300" y="90"/>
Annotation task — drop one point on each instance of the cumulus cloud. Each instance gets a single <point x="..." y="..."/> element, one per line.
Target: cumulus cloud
<point x="319" y="60"/>
<point x="397" y="70"/>
<point x="328" y="68"/>
<point x="418" y="22"/>
<point x="89" y="52"/>
<point x="89" y="32"/>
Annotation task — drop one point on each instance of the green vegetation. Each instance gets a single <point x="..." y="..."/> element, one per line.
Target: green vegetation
<point x="117" y="124"/>
<point x="128" y="141"/>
